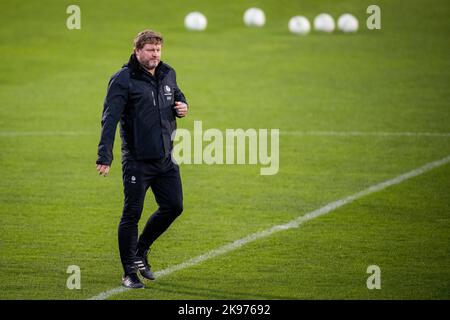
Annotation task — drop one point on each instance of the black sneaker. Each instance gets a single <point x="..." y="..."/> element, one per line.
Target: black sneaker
<point x="132" y="281"/>
<point x="142" y="265"/>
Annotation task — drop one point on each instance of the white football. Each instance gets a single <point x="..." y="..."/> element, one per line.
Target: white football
<point x="254" y="17"/>
<point x="324" y="23"/>
<point x="299" y="25"/>
<point x="348" y="23"/>
<point x="195" y="21"/>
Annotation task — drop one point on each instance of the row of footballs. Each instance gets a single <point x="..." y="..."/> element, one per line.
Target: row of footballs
<point x="298" y="24"/>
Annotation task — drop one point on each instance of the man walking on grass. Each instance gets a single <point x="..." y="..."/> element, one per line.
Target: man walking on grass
<point x="145" y="98"/>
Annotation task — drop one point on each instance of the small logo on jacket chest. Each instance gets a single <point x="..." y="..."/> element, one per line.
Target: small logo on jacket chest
<point x="167" y="92"/>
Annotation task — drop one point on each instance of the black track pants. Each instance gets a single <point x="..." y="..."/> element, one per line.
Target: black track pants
<point x="163" y="177"/>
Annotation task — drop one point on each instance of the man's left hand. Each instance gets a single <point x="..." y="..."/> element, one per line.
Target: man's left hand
<point x="181" y="108"/>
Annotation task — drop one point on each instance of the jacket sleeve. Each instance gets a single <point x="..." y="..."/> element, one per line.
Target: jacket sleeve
<point x="115" y="102"/>
<point x="178" y="94"/>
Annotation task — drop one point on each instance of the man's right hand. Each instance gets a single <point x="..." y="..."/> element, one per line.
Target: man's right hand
<point x="103" y="169"/>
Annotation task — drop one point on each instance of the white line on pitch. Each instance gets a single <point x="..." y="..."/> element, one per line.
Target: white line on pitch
<point x="289" y="225"/>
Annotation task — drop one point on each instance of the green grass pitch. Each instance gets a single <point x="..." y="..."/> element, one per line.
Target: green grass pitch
<point x="56" y="211"/>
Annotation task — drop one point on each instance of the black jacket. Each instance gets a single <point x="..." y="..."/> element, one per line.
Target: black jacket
<point x="144" y="106"/>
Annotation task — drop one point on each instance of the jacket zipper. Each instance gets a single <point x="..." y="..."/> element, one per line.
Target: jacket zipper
<point x="153" y="96"/>
<point x="160" y="122"/>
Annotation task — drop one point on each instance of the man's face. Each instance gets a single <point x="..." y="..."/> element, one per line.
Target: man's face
<point x="149" y="56"/>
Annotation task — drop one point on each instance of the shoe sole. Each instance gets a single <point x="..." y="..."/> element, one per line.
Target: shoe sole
<point x="143" y="287"/>
<point x="149" y="279"/>
<point x="144" y="277"/>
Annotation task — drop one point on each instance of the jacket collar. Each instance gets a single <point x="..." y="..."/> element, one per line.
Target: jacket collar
<point x="161" y="69"/>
